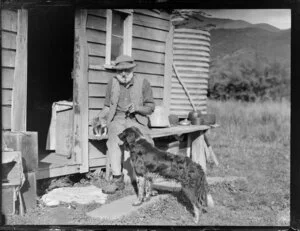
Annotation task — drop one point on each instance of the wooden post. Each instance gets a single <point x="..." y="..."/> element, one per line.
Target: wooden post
<point x="198" y="150"/>
<point x="80" y="95"/>
<point x="19" y="96"/>
<point x="168" y="69"/>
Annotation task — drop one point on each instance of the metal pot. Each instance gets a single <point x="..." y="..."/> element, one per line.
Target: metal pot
<point x="194" y="114"/>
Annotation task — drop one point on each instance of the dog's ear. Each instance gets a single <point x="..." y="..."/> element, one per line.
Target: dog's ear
<point x="122" y="136"/>
<point x="137" y="132"/>
<point x="128" y="136"/>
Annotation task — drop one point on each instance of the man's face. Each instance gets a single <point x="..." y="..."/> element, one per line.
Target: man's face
<point x="125" y="75"/>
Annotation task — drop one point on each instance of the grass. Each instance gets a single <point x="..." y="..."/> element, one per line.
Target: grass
<point x="253" y="141"/>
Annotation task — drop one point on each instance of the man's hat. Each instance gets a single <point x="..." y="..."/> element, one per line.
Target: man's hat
<point x="124" y="62"/>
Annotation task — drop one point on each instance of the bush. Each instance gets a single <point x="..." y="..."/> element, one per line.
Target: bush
<point x="248" y="78"/>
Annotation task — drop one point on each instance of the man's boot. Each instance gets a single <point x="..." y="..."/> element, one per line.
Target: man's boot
<point x="116" y="184"/>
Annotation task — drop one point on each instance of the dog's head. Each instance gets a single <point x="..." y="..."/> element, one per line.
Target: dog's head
<point x="130" y="135"/>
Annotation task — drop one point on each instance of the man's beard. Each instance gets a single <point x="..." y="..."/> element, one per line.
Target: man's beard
<point x="125" y="80"/>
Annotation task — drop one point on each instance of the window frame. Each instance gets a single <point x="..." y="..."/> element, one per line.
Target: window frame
<point x="127" y="44"/>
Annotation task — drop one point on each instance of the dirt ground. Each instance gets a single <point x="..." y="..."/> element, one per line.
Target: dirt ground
<point x="262" y="200"/>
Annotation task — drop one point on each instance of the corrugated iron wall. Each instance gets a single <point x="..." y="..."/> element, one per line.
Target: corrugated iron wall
<point x="191" y="56"/>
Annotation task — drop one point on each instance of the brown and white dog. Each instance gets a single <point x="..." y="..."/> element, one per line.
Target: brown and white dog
<point x="148" y="160"/>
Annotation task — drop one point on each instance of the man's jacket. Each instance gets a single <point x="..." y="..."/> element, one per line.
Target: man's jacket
<point x="140" y="95"/>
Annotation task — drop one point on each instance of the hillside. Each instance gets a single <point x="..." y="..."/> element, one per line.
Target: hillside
<point x="272" y="45"/>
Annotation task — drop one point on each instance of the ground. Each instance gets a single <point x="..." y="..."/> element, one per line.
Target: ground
<point x="253" y="141"/>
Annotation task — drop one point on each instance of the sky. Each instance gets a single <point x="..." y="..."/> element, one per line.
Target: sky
<point x="280" y="18"/>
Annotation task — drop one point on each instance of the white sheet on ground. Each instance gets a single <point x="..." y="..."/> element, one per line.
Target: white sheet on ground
<point x="80" y="195"/>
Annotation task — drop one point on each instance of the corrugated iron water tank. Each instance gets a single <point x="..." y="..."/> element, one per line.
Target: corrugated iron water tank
<point x="191" y="57"/>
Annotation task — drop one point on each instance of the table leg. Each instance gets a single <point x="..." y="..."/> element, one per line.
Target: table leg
<point x="107" y="173"/>
<point x="198" y="150"/>
<point x="189" y="145"/>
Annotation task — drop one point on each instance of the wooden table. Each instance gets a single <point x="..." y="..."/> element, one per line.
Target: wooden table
<point x="196" y="146"/>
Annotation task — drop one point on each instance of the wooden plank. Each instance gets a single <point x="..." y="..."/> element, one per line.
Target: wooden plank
<point x="9" y="20"/>
<point x="198" y="152"/>
<point x="81" y="93"/>
<point x="97" y="162"/>
<point x="148" y="56"/>
<point x="96" y="23"/>
<point x="93" y="113"/>
<point x="7" y="77"/>
<point x="128" y="25"/>
<point x="8" y="58"/>
<point x="96" y="36"/>
<point x="162" y="15"/>
<point x="19" y="103"/>
<point x="186" y="107"/>
<point x="149" y="33"/>
<point x="97" y="90"/>
<point x="97" y="149"/>
<point x="95" y="76"/>
<point x="148" y="45"/>
<point x="8" y="40"/>
<point x="96" y="49"/>
<point x="168" y="69"/>
<point x="154" y="80"/>
<point x="149" y="68"/>
<point x="177" y="130"/>
<point x="6" y="118"/>
<point x="94" y="60"/>
<point x="97" y="12"/>
<point x="6" y="97"/>
<point x="96" y="102"/>
<point x="108" y="36"/>
<point x="148" y="21"/>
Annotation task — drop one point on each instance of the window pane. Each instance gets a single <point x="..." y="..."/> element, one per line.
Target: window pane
<point x="117" y="23"/>
<point x="116" y="47"/>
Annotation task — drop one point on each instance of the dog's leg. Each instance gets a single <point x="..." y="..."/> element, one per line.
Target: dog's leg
<point x="197" y="213"/>
<point x="140" y="180"/>
<point x="148" y="189"/>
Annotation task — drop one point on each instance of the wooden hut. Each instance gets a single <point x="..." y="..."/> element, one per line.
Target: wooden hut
<point x="149" y="36"/>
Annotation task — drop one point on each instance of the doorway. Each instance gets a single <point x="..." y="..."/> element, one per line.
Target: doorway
<point x="50" y="64"/>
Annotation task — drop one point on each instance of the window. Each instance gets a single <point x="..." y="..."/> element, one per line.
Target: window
<point x="118" y="34"/>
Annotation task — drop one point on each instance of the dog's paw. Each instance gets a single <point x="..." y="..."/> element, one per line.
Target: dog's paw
<point x="147" y="198"/>
<point x="154" y="193"/>
<point x="137" y="203"/>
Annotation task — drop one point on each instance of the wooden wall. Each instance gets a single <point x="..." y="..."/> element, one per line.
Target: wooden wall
<point x="150" y="31"/>
<point x="191" y="55"/>
<point x="9" y="22"/>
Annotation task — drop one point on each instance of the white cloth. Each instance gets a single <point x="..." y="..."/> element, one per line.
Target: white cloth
<point x="56" y="107"/>
<point x="80" y="195"/>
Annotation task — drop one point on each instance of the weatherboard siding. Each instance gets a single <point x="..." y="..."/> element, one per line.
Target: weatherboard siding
<point x="149" y="32"/>
<point x="9" y="23"/>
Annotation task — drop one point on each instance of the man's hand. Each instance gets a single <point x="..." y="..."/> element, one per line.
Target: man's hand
<point x="131" y="108"/>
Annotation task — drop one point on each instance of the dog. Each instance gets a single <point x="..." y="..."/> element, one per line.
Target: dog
<point x="148" y="161"/>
